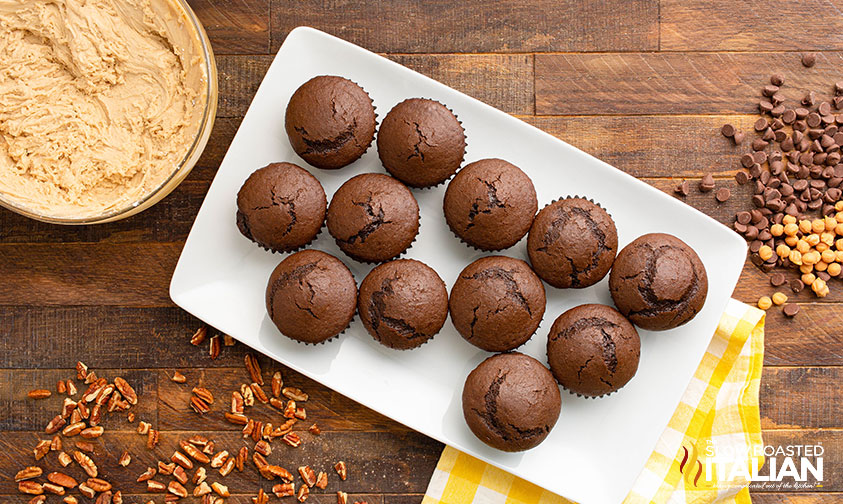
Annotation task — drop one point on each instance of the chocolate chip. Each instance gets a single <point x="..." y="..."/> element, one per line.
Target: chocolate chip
<point x="777" y="79"/>
<point x="759" y="157"/>
<point x="796" y="285"/>
<point x="759" y="144"/>
<point x="742" y="177"/>
<point x="800" y="125"/>
<point x="723" y="194"/>
<point x="781" y="136"/>
<point x="838" y="87"/>
<point x="747" y="160"/>
<point x="739" y="137"/>
<point x="683" y="188"/>
<point x="789" y="116"/>
<point x="727" y="130"/>
<point x="808" y="100"/>
<point x="765" y="107"/>
<point x="808" y="59"/>
<point x="791" y="309"/>
<point x="778" y="279"/>
<point x="755" y="170"/>
<point x="822" y="275"/>
<point x="743" y="217"/>
<point x="761" y="124"/>
<point x="751" y="232"/>
<point x="777" y="111"/>
<point x="813" y="120"/>
<point x="706" y="183"/>
<point x="838" y="102"/>
<point x="828" y="119"/>
<point x="787" y="144"/>
<point x="824" y="108"/>
<point x="758" y="200"/>
<point x="769" y="90"/>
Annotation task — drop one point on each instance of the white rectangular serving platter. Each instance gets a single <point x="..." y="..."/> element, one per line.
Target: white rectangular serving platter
<point x="599" y="446"/>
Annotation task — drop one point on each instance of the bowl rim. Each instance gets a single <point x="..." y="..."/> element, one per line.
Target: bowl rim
<point x="181" y="170"/>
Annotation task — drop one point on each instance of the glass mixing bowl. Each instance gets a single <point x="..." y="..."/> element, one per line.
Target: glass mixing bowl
<point x="181" y="170"/>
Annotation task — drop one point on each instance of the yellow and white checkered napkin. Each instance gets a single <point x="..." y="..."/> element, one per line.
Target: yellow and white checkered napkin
<point x="720" y="405"/>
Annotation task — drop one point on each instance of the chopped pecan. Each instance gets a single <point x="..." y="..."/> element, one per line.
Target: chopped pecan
<point x="261" y="498"/>
<point x="62" y="479"/>
<point x="290" y="409"/>
<point x="199" y="336"/>
<point x="260" y="395"/>
<point x="178" y="377"/>
<point x="342" y="497"/>
<point x="314" y="429"/>
<point x="61" y="387"/>
<point x="126" y="390"/>
<point x="236" y="418"/>
<point x="280" y="472"/>
<point x="300" y="413"/>
<point x="199" y="476"/>
<point x="182" y="460"/>
<point x="177" y="488"/>
<point x="219" y="459"/>
<point x="154" y="486"/>
<point x="248" y="428"/>
<point x="227" y="340"/>
<point x="143" y="427"/>
<point x="87" y="491"/>
<point x="147" y="475"/>
<point x="254" y="368"/>
<point x="307" y="475"/>
<point x="39" y="394"/>
<point x="165" y="468"/>
<point x="55" y="443"/>
<point x="83" y="410"/>
<point x="214" y="348"/>
<point x="85" y="463"/>
<point x="67" y="407"/>
<point x="276" y="384"/>
<point x="284" y="489"/>
<point x="104" y="498"/>
<point x="259" y="460"/>
<point x="277" y="403"/>
<point x="180" y="475"/>
<point x="30" y="472"/>
<point x="302" y="494"/>
<point x="96" y="415"/>
<point x="248" y="395"/>
<point x="227" y="467"/>
<point x="322" y="480"/>
<point x="38" y="499"/>
<point x="257" y="432"/>
<point x="70" y="500"/>
<point x="242" y="456"/>
<point x="342" y="471"/>
<point x="209" y="448"/>
<point x="152" y="439"/>
<point x="266" y="433"/>
<point x="263" y="448"/>
<point x="81" y="371"/>
<point x="292" y="439"/>
<point x="237" y="406"/>
<point x="201" y="489"/>
<point x="220" y="489"/>
<point x="41" y="449"/>
<point x="75" y="417"/>
<point x="53" y="488"/>
<point x="103" y="394"/>
<point x="71" y="388"/>
<point x="85" y="446"/>
<point x="199" y="406"/>
<point x="92" y="432"/>
<point x="99" y="485"/>
<point x="194" y="452"/>
<point x="198" y="440"/>
<point x="30" y="487"/>
<point x="117" y="498"/>
<point x="130" y="416"/>
<point x="125" y="459"/>
<point x="64" y="459"/>
<point x="294" y="393"/>
<point x="204" y="394"/>
<point x="91" y="378"/>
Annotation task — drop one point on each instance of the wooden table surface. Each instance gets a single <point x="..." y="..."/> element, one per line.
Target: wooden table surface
<point x="643" y="85"/>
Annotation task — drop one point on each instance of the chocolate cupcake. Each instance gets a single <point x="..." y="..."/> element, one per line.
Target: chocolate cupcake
<point x="330" y="121"/>
<point x="658" y="282"/>
<point x="510" y="402"/>
<point x="490" y="204"/>
<point x="497" y="303"/>
<point x="281" y="207"/>
<point x="403" y="303"/>
<point x="593" y="350"/>
<point x="421" y="142"/>
<point x="373" y="217"/>
<point x="311" y="296"/>
<point x="572" y="243"/>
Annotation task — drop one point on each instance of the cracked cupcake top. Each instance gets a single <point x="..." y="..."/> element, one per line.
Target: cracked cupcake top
<point x="421" y="142"/>
<point x="330" y="121"/>
<point x="311" y="296"/>
<point x="403" y="303"/>
<point x="490" y="204"/>
<point x="373" y="217"/>
<point x="497" y="303"/>
<point x="511" y="402"/>
<point x="572" y="243"/>
<point x="659" y="282"/>
<point x="593" y="350"/>
<point x="281" y="207"/>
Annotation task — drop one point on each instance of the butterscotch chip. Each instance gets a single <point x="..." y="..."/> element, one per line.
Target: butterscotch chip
<point x="764" y="302"/>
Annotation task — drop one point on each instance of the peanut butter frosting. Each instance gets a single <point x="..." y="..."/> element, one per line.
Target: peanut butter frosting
<point x="100" y="101"/>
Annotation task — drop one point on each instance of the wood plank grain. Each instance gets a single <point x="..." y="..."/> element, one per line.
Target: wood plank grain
<point x="723" y="25"/>
<point x="377" y="461"/>
<point x="24" y="414"/>
<point x="486" y="26"/>
<point x="673" y="83"/>
<point x="328" y="409"/>
<point x="235" y="26"/>
<point x="128" y="274"/>
<point x="801" y="397"/>
<point x="504" y="81"/>
<point x="814" y="337"/>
